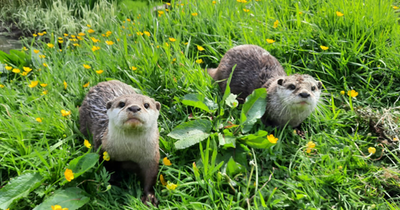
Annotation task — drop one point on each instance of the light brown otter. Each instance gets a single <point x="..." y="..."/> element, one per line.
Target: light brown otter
<point x="290" y="99"/>
<point x="124" y="124"/>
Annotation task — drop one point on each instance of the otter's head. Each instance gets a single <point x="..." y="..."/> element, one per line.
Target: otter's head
<point x="137" y="112"/>
<point x="298" y="92"/>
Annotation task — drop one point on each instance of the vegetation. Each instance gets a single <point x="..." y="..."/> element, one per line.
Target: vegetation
<point x="348" y="157"/>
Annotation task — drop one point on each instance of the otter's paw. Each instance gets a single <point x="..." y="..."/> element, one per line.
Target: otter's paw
<point x="150" y="198"/>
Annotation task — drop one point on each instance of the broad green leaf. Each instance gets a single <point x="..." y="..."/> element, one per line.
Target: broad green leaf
<point x="83" y="163"/>
<point x="234" y="168"/>
<point x="258" y="140"/>
<point x="253" y="109"/>
<point x="190" y="133"/>
<point x="71" y="198"/>
<point x="231" y="101"/>
<point x="227" y="139"/>
<point x="19" y="187"/>
<point x="199" y="101"/>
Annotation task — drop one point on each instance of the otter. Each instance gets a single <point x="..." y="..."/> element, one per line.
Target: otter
<point x="290" y="99"/>
<point x="124" y="124"/>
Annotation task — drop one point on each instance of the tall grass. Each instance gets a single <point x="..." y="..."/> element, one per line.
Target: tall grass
<point x="338" y="173"/>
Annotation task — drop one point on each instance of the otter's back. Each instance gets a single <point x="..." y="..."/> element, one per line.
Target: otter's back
<point x="254" y="66"/>
<point x="93" y="112"/>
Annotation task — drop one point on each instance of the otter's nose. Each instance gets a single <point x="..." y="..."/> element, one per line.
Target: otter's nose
<point x="134" y="109"/>
<point x="304" y="95"/>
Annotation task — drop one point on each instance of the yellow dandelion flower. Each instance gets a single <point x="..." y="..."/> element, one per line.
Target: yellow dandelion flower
<point x="300" y="13"/>
<point x="65" y="113"/>
<point x="86" y="85"/>
<point x="276" y="23"/>
<point x="199" y="61"/>
<point x="33" y="84"/>
<point x="65" y="84"/>
<point x="36" y="51"/>
<point x="133" y="68"/>
<point x="395" y="7"/>
<point x="146" y="33"/>
<point x="81" y="34"/>
<point x="200" y="48"/>
<point x="94" y="48"/>
<point x="43" y="85"/>
<point x="108" y="33"/>
<point x="24" y="73"/>
<point x="50" y="45"/>
<point x="90" y="31"/>
<point x="87" y="144"/>
<point x="106" y="156"/>
<point x="195" y="14"/>
<point x="65" y="34"/>
<point x="372" y="150"/>
<point x="160" y="12"/>
<point x="2" y="86"/>
<point x="24" y="48"/>
<point x="139" y="33"/>
<point x="167" y="162"/>
<point x="109" y="42"/>
<point x="86" y="66"/>
<point x="172" y="39"/>
<point x="42" y="56"/>
<point x="171" y="186"/>
<point x="99" y="71"/>
<point x="16" y="71"/>
<point x="40" y="34"/>
<point x="339" y="14"/>
<point x="246" y="10"/>
<point x="60" y="41"/>
<point x="45" y="65"/>
<point x="214" y="2"/>
<point x="27" y="69"/>
<point x="45" y="92"/>
<point x="129" y="20"/>
<point x="80" y="38"/>
<point x="395" y="139"/>
<point x="73" y="36"/>
<point x="95" y="40"/>
<point x="39" y="119"/>
<point x="58" y="207"/>
<point x="8" y="68"/>
<point x="270" y="41"/>
<point x="34" y="35"/>
<point x="310" y="145"/>
<point x="88" y="25"/>
<point x="324" y="47"/>
<point x="76" y="44"/>
<point x="44" y="32"/>
<point x="342" y="92"/>
<point x="163" y="182"/>
<point x="352" y="93"/>
<point x="68" y="175"/>
<point x="271" y="138"/>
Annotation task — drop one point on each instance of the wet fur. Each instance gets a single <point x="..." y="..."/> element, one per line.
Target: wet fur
<point x="256" y="68"/>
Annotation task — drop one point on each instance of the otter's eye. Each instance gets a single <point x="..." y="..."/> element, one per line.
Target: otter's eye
<point x="292" y="87"/>
<point x="313" y="88"/>
<point x="146" y="105"/>
<point x="121" y="104"/>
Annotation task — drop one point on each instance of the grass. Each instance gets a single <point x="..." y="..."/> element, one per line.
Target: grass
<point x="338" y="173"/>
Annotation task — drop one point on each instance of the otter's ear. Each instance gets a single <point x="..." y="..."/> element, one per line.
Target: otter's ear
<point x="108" y="105"/>
<point x="319" y="84"/>
<point x="158" y="105"/>
<point x="280" y="81"/>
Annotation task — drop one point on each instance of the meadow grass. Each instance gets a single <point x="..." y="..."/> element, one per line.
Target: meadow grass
<point x="156" y="53"/>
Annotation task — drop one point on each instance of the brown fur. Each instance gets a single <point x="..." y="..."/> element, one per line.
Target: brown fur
<point x="256" y="68"/>
<point x="129" y="133"/>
